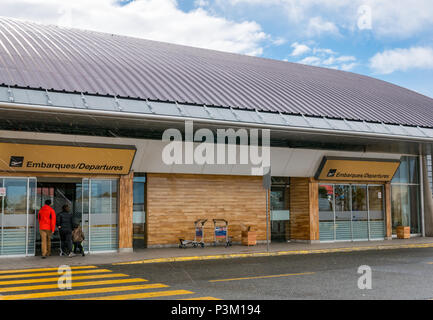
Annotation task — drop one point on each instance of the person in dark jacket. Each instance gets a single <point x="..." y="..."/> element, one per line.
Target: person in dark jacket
<point x="64" y="224"/>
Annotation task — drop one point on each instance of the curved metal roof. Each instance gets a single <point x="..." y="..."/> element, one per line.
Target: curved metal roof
<point x="71" y="60"/>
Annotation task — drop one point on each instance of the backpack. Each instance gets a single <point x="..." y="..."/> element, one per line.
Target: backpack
<point x="77" y="235"/>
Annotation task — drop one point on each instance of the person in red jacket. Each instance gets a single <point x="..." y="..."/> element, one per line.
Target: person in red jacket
<point x="47" y="225"/>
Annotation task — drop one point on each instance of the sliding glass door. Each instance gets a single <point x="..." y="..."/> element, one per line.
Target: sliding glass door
<point x="359" y="212"/>
<point x="99" y="214"/>
<point x="351" y="212"/>
<point x="17" y="219"/>
<point x="343" y="221"/>
<point x="377" y="212"/>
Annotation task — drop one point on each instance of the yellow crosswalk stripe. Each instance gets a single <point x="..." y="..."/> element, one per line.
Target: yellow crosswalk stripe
<point x="132" y="296"/>
<point x="80" y="292"/>
<point x="74" y="285"/>
<point x="55" y="279"/>
<point x="202" y="298"/>
<point x="43" y="269"/>
<point x="30" y="275"/>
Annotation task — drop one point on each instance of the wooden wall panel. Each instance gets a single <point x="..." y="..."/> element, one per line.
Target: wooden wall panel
<point x="175" y="201"/>
<point x="304" y="213"/>
<point x="388" y="217"/>
<point x="126" y="211"/>
<point x="314" y="209"/>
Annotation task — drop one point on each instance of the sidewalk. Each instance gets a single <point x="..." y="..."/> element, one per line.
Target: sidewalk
<point x="210" y="253"/>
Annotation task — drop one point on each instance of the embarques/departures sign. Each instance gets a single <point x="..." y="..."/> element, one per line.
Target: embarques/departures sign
<point x="87" y="159"/>
<point x="357" y="169"/>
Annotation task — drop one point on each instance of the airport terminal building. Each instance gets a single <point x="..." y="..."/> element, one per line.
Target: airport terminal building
<point x="82" y="121"/>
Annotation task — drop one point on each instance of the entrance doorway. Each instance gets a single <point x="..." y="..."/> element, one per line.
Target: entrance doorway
<point x="93" y="203"/>
<point x="351" y="212"/>
<point x="61" y="192"/>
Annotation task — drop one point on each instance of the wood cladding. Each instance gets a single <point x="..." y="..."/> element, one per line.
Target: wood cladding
<point x="304" y="211"/>
<point x="175" y="201"/>
<point x="126" y="210"/>
<point x="388" y="217"/>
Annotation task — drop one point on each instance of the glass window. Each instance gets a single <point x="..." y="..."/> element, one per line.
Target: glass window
<point x="359" y="202"/>
<point x="405" y="198"/>
<point x="342" y="202"/>
<point x="413" y="166"/>
<point x="375" y="202"/>
<point x="326" y="203"/>
<point x="139" y="212"/>
<point x="359" y="212"/>
<point x="414" y="207"/>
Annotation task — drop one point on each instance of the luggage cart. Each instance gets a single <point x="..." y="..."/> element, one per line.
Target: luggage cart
<point x="199" y="233"/>
<point x="221" y="232"/>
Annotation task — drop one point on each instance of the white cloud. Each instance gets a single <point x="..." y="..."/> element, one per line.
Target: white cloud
<point x="201" y="3"/>
<point x="317" y="26"/>
<point x="299" y="49"/>
<point x="312" y="60"/>
<point x="390" y="61"/>
<point x="160" y="20"/>
<point x="390" y="18"/>
<point x="328" y="58"/>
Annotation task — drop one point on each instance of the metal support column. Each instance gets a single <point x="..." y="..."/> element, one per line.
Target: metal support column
<point x="421" y="185"/>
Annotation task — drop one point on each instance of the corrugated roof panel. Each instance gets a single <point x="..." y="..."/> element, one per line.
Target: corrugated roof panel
<point x="50" y="57"/>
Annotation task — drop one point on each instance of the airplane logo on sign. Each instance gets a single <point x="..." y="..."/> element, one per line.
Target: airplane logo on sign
<point x="16" y="162"/>
<point x="332" y="173"/>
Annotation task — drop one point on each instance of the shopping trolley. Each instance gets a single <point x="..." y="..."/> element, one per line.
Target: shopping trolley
<point x="199" y="233"/>
<point x="221" y="232"/>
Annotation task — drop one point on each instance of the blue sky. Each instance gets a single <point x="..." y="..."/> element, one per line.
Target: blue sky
<point x="387" y="39"/>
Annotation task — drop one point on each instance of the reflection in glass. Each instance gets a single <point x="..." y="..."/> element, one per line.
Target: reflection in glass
<point x="103" y="215"/>
<point x="279" y="205"/>
<point x="377" y="214"/>
<point x="405" y="207"/>
<point x="139" y="212"/>
<point x="405" y="197"/>
<point x="326" y="212"/>
<point x="14" y="218"/>
<point x="360" y="212"/>
<point x="343" y="227"/>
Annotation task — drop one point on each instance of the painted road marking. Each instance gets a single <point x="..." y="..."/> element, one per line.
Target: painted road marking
<point x="34" y="284"/>
<point x="81" y="292"/>
<point x="142" y="295"/>
<point x="30" y="275"/>
<point x="44" y="269"/>
<point x="74" y="284"/>
<point x="263" y="277"/>
<point x="202" y="298"/>
<point x="96" y="276"/>
<point x="276" y="253"/>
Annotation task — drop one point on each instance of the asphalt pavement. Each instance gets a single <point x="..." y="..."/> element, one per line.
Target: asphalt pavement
<point x="395" y="274"/>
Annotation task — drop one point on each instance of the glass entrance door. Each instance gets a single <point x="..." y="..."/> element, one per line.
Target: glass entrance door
<point x="343" y="227"/>
<point x="359" y="212"/>
<point x="99" y="214"/>
<point x="18" y="212"/>
<point x="377" y="213"/>
<point x="351" y="212"/>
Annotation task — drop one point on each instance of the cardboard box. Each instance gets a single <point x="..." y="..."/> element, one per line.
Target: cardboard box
<point x="249" y="238"/>
<point x="403" y="232"/>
